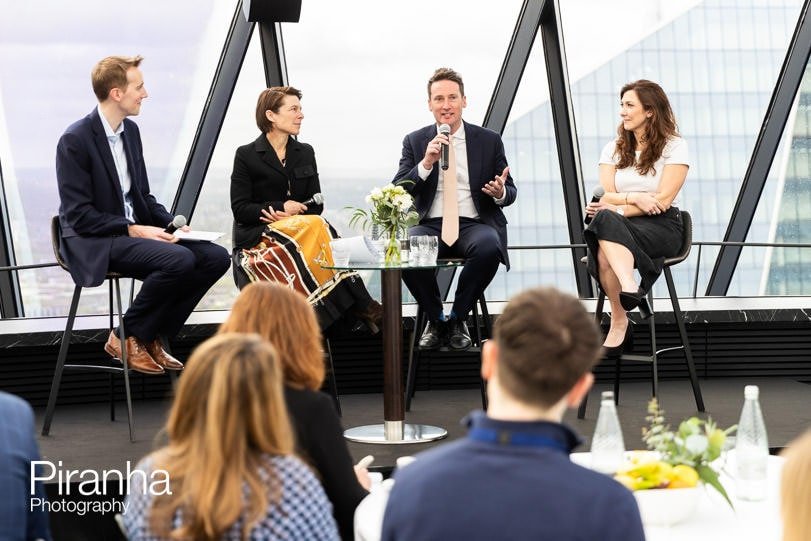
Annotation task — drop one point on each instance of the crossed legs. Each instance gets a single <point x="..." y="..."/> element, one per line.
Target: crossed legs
<point x="615" y="265"/>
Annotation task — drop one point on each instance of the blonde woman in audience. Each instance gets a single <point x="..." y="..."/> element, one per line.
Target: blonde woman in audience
<point x="795" y="490"/>
<point x="284" y="318"/>
<point x="229" y="468"/>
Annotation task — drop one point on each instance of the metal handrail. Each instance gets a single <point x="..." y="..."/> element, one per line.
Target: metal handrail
<point x="700" y="245"/>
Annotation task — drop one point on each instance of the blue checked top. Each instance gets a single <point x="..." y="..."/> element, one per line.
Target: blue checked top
<point x="304" y="511"/>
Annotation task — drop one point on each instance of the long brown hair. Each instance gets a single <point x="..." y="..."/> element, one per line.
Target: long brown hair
<point x="284" y="318"/>
<point x="660" y="127"/>
<point x="795" y="490"/>
<point x="228" y="412"/>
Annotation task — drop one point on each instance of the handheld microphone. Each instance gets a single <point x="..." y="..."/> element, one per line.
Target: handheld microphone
<point x="317" y="199"/>
<point x="177" y="222"/>
<point x="443" y="152"/>
<point x="598" y="194"/>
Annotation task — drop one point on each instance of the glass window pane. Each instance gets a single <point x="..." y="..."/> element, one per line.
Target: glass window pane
<point x="784" y="211"/>
<point x="719" y="75"/>
<point x="46" y="56"/>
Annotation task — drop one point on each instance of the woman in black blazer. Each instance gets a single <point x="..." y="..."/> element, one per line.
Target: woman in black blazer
<point x="278" y="229"/>
<point x="285" y="319"/>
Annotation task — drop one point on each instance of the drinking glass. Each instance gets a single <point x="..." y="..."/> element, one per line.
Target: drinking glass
<point x="430" y="249"/>
<point x="415" y="256"/>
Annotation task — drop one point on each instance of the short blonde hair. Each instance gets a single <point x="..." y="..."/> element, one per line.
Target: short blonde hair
<point x="111" y="72"/>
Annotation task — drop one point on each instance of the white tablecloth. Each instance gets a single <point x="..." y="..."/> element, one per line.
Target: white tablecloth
<point x="713" y="519"/>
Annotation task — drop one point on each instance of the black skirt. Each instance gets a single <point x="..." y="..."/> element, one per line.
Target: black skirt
<point x="651" y="239"/>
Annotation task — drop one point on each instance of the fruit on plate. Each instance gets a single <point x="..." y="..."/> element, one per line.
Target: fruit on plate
<point x="657" y="474"/>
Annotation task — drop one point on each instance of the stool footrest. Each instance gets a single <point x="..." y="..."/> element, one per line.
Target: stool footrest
<point x="94" y="368"/>
<point x="637" y="358"/>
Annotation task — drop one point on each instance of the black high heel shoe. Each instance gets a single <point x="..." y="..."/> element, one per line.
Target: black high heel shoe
<point x="627" y="344"/>
<point x="629" y="301"/>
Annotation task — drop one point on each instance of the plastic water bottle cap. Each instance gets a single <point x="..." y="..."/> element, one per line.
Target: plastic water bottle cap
<point x="607" y="395"/>
<point x="751" y="391"/>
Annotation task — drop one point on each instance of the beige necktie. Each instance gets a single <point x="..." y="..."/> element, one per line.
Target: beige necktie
<point x="450" y="204"/>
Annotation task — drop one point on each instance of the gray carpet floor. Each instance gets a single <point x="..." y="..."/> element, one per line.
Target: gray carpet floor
<point x="83" y="436"/>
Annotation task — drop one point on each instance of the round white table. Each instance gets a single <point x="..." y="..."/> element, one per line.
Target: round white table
<point x="714" y="519"/>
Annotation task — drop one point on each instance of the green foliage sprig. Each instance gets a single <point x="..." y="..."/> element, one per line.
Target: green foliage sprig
<point x="697" y="443"/>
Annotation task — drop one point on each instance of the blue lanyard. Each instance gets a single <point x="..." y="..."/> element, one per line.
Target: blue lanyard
<point x="522" y="439"/>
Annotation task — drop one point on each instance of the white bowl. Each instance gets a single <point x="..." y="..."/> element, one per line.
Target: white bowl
<point x="666" y="506"/>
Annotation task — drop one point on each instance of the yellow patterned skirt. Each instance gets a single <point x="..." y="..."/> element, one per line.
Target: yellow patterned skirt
<point x="288" y="253"/>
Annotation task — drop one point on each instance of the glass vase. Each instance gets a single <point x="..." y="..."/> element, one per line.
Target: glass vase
<point x="393" y="254"/>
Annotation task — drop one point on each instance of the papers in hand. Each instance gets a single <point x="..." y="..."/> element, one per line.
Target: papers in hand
<point x="359" y="248"/>
<point x="197" y="235"/>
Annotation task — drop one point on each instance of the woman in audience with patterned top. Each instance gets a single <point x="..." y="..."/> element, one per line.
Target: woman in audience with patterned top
<point x="229" y="464"/>
<point x="636" y="224"/>
<point x="283" y="317"/>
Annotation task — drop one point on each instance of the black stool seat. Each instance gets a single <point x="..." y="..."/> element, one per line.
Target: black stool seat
<point x="653" y="357"/>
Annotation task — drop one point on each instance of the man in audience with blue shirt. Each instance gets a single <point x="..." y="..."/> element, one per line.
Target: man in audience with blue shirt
<point x="511" y="477"/>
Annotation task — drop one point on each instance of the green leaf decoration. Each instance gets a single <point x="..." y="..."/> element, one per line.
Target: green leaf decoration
<point x="709" y="476"/>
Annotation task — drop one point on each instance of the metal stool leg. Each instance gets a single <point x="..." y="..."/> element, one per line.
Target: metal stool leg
<point x="654" y="351"/>
<point x="60" y="361"/>
<point x="123" y="337"/>
<point x="480" y="341"/>
<point x="414" y="357"/>
<point x="688" y="353"/>
<point x="110" y="314"/>
<point x="333" y="382"/>
<point x="598" y="316"/>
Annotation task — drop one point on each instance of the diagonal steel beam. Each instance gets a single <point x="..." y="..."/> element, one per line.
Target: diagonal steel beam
<point x="208" y="130"/>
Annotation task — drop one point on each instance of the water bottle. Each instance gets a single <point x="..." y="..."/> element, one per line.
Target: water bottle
<point x="607" y="445"/>
<point x="751" y="448"/>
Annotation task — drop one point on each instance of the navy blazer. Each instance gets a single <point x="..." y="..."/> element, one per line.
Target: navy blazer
<point x="485" y="160"/>
<point x="259" y="181"/>
<point x="91" y="209"/>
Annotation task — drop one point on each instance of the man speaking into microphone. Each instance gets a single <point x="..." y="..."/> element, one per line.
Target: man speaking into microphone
<point x="111" y="222"/>
<point x="458" y="200"/>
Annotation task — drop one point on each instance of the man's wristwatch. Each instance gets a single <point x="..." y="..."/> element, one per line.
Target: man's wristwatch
<point x="620" y="211"/>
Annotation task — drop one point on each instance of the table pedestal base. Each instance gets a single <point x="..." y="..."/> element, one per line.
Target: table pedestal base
<point x="395" y="432"/>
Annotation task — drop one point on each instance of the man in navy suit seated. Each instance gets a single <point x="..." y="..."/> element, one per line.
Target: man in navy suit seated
<point x="460" y="202"/>
<point x="111" y="221"/>
<point x="511" y="477"/>
<point x="22" y="515"/>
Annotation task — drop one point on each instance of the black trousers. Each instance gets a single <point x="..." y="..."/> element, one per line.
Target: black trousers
<point x="478" y="244"/>
<point x="175" y="277"/>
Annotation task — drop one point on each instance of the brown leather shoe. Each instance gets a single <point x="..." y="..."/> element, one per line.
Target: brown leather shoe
<point x="155" y="349"/>
<point x="138" y="357"/>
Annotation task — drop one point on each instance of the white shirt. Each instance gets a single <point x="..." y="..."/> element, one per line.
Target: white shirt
<point x="629" y="179"/>
<point x="464" y="198"/>
<point x="120" y="158"/>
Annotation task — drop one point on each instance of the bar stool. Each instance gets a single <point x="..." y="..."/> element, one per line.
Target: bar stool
<point x="653" y="357"/>
<point x="113" y="280"/>
<point x="444" y="278"/>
